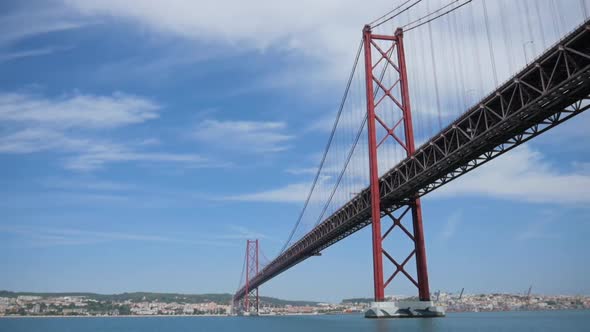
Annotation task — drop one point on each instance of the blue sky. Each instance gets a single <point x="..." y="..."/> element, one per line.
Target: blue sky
<point x="142" y="144"/>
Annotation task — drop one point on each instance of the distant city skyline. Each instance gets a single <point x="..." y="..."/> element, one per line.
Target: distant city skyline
<point x="142" y="144"/>
<point x="88" y="305"/>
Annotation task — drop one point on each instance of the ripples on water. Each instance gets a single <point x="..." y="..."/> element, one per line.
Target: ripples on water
<point x="482" y="322"/>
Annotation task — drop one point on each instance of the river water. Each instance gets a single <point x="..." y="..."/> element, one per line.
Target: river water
<point x="481" y="322"/>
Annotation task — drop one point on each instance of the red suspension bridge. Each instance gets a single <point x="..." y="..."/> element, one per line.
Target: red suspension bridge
<point x="422" y="68"/>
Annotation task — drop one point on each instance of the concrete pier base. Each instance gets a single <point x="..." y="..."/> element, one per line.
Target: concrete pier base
<point x="401" y="309"/>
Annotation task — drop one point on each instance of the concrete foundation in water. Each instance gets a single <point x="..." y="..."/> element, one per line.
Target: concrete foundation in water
<point x="404" y="309"/>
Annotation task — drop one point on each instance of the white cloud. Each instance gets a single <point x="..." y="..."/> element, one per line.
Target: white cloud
<point x="570" y="136"/>
<point x="28" y="53"/>
<point x="26" y="24"/>
<point x="80" y="111"/>
<point x="85" y="184"/>
<point x="349" y="121"/>
<point x="451" y="225"/>
<point x="328" y="29"/>
<point x="237" y="232"/>
<point x="582" y="168"/>
<point x="36" y="140"/>
<point x="298" y="193"/>
<point x="46" y="235"/>
<point x="150" y="142"/>
<point x="246" y="136"/>
<point x="546" y="227"/>
<point x="302" y="170"/>
<point x="90" y="154"/>
<point x="19" y="26"/>
<point x="98" y="158"/>
<point x="523" y="175"/>
<point x="69" y="236"/>
<point x="306" y="25"/>
<point x="54" y="236"/>
<point x="66" y="125"/>
<point x="291" y="193"/>
<point x="318" y="41"/>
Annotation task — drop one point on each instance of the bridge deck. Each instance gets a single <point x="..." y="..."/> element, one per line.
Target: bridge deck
<point x="547" y="92"/>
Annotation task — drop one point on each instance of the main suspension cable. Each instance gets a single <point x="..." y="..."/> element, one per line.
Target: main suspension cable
<point x="242" y="273"/>
<point x="334" y="127"/>
<point x="389" y="12"/>
<point x="397" y="14"/>
<point x="429" y="14"/>
<point x="438" y="16"/>
<point x="352" y="148"/>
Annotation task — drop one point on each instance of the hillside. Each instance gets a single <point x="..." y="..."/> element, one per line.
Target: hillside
<point x="158" y="297"/>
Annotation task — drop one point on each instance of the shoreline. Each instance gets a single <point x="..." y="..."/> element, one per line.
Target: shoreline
<point x="159" y="316"/>
<point x="106" y="316"/>
<point x="282" y="315"/>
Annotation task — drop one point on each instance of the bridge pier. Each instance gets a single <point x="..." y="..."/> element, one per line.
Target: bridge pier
<point x="252" y="300"/>
<point x="404" y="309"/>
<point x="391" y="56"/>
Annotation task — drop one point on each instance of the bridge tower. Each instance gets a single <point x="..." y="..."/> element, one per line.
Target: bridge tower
<point x="251" y="300"/>
<point x="390" y="58"/>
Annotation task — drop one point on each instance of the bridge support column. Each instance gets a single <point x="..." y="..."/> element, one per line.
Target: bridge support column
<point x="251" y="300"/>
<point x="394" y="103"/>
<point x="373" y="171"/>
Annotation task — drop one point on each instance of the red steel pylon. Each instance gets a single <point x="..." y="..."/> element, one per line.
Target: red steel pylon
<point x="394" y="98"/>
<point x="251" y="301"/>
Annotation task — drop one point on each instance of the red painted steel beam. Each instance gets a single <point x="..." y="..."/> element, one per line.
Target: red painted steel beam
<point x="252" y="269"/>
<point x="247" y="299"/>
<point x="257" y="298"/>
<point x="382" y="37"/>
<point x="378" y="285"/>
<point x="420" y="247"/>
<point x="402" y="104"/>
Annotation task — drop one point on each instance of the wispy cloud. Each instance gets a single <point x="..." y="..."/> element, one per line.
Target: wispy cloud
<point x="45" y="236"/>
<point x="302" y="170"/>
<point x="67" y="124"/>
<point x="197" y="20"/>
<point x="25" y="25"/>
<point x="543" y="228"/>
<point x="237" y="232"/>
<point x="350" y="122"/>
<point x="84" y="154"/>
<point x="522" y="175"/>
<point x="244" y="136"/>
<point x="36" y="140"/>
<point x="451" y="225"/>
<point x="14" y="55"/>
<point x="291" y="193"/>
<point x="537" y="231"/>
<point x="97" y="159"/>
<point x="582" y="168"/>
<point x="79" y="110"/>
<point x="86" y="184"/>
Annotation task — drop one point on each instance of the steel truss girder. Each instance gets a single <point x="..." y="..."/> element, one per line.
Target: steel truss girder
<point x="547" y="92"/>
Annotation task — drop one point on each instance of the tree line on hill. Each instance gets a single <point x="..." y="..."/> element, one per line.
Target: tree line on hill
<point x="223" y="298"/>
